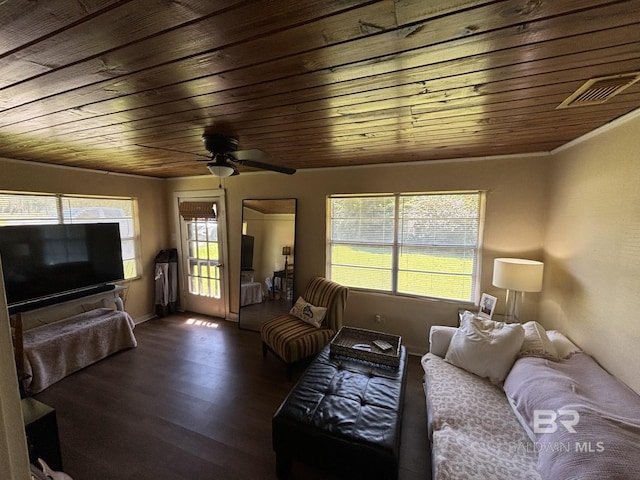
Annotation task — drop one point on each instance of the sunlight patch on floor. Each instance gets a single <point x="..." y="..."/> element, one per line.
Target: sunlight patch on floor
<point x="201" y="323"/>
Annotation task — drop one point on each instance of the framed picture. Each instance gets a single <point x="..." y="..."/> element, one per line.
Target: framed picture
<point x="487" y="306"/>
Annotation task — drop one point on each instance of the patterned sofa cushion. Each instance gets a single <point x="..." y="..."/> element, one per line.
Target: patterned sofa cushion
<point x="473" y="430"/>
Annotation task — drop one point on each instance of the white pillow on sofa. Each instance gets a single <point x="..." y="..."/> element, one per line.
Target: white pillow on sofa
<point x="536" y="342"/>
<point x="485" y="347"/>
<point x="564" y="347"/>
<point x="439" y="339"/>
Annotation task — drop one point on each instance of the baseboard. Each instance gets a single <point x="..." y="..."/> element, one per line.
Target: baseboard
<point x="416" y="350"/>
<point x="231" y="317"/>
<point x="144" y="318"/>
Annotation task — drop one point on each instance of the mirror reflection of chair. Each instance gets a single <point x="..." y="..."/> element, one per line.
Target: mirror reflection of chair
<point x="293" y="340"/>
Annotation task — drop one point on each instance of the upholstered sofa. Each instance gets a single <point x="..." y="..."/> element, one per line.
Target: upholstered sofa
<point x="556" y="414"/>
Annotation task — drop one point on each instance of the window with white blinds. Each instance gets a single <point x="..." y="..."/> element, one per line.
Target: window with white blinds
<point x="37" y="209"/>
<point x="423" y="245"/>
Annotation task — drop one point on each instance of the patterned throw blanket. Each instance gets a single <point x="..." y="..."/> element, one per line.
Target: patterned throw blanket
<point x="586" y="423"/>
<point x="55" y="350"/>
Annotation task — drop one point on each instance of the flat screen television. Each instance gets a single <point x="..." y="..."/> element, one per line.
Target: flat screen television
<point x="42" y="262"/>
<point x="246" y="253"/>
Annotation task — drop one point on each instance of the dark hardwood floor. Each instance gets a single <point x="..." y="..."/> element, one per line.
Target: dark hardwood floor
<point x="193" y="401"/>
<point x="252" y="317"/>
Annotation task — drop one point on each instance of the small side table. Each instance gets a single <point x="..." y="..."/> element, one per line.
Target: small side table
<point x="41" y="428"/>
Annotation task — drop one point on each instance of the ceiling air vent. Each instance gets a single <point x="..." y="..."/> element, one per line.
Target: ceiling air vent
<point x="599" y="90"/>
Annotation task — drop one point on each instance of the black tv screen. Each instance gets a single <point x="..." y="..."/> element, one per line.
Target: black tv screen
<point x="41" y="261"/>
<point x="246" y="253"/>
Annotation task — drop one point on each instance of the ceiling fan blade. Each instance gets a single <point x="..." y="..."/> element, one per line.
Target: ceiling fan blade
<point x="253" y="154"/>
<point x="267" y="166"/>
<point x="224" y="154"/>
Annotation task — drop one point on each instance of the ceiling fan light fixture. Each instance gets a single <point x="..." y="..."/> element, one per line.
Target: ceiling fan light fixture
<point x="220" y="169"/>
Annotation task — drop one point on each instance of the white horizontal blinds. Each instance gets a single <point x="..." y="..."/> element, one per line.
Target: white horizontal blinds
<point x="362" y="239"/>
<point x="414" y="244"/>
<point x="28" y="209"/>
<point x="437" y="245"/>
<point x="106" y="210"/>
<point x="193" y="210"/>
<point x="18" y="208"/>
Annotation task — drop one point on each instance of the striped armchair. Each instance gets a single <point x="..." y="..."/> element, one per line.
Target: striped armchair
<point x="292" y="339"/>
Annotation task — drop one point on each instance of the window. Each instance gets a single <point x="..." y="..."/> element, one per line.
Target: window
<point x="203" y="252"/>
<point x="203" y="275"/>
<point x="414" y="244"/>
<point x="35" y="209"/>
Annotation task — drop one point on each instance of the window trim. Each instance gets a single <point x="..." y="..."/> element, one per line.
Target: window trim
<point x="476" y="288"/>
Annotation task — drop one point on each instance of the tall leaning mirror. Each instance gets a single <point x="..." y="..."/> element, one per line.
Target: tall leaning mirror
<point x="267" y="260"/>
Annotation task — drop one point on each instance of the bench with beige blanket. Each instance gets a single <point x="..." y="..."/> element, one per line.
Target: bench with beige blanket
<point x="48" y="353"/>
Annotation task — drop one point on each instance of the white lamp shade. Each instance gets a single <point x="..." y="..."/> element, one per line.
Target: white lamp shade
<point x="220" y="170"/>
<point x="518" y="274"/>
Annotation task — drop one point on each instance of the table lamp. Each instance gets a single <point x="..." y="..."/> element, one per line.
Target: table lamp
<point x="517" y="275"/>
<point x="286" y="251"/>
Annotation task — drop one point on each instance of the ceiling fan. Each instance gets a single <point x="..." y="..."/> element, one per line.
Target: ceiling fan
<point x="224" y="153"/>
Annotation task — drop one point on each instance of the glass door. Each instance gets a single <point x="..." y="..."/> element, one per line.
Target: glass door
<point x="202" y="261"/>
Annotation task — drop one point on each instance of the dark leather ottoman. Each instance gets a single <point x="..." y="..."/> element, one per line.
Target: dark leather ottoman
<point x="344" y="416"/>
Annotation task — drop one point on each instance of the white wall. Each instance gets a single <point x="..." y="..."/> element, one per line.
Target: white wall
<point x="515" y="222"/>
<point x="592" y="248"/>
<point x="14" y="462"/>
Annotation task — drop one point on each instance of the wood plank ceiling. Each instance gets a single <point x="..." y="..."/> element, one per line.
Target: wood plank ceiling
<point x="96" y="83"/>
<point x="271" y="206"/>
